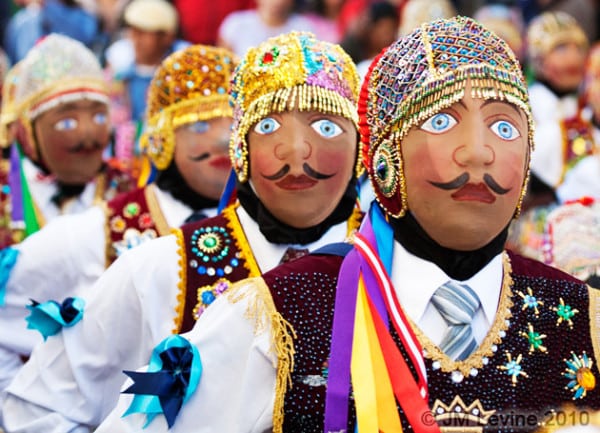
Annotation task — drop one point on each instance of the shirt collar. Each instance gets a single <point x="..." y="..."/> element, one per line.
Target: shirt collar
<point x="415" y="280"/>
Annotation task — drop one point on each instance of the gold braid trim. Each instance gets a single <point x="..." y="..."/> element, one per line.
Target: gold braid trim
<point x="182" y="283"/>
<point x="100" y="188"/>
<point x="594" y="301"/>
<point x="262" y="311"/>
<point x="108" y="213"/>
<point x="475" y="360"/>
<point x="233" y="223"/>
<point x="156" y="212"/>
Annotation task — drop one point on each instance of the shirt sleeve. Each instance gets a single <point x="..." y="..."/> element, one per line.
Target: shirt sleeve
<point x="239" y="373"/>
<point x="72" y="380"/>
<point x="52" y="264"/>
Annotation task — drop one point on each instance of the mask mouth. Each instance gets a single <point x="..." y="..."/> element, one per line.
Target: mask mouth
<point x="292" y="182"/>
<point x="474" y="192"/>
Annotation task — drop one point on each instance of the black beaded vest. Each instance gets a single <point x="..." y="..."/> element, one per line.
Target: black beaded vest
<point x="539" y="356"/>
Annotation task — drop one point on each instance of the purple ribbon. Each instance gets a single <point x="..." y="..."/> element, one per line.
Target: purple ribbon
<point x="338" y="380"/>
<point x="14" y="181"/>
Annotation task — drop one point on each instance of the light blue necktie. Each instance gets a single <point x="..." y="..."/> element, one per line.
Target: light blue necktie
<point x="457" y="303"/>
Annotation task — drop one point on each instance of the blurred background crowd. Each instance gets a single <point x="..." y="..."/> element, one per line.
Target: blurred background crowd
<point x="555" y="41"/>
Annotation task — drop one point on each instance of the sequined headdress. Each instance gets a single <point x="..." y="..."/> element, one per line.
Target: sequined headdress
<point x="55" y="71"/>
<point x="421" y="74"/>
<point x="287" y="71"/>
<point x="550" y="29"/>
<point x="189" y="86"/>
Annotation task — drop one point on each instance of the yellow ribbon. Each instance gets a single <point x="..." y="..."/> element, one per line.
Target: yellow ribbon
<point x="376" y="409"/>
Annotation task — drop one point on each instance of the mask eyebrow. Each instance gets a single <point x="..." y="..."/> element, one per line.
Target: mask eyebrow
<point x="494" y="101"/>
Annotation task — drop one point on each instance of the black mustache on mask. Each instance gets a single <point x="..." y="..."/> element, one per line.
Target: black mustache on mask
<point x="461" y="180"/>
<point x="200" y="157"/>
<point x="83" y="146"/>
<point x="308" y="170"/>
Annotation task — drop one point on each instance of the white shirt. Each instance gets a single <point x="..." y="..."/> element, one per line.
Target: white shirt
<point x="63" y="259"/>
<point x="581" y="180"/>
<point x="72" y="380"/>
<point x="239" y="365"/>
<point x="548" y="111"/>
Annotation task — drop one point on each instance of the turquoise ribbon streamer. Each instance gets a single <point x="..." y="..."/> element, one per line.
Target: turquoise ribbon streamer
<point x="384" y="234"/>
<point x="8" y="258"/>
<point x="50" y="317"/>
<point x="163" y="389"/>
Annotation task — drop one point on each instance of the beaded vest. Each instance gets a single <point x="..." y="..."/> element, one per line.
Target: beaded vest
<point x="133" y="218"/>
<point x="537" y="357"/>
<point x="213" y="253"/>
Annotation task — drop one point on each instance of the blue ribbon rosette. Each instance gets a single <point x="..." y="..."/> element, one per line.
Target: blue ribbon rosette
<point x="8" y="258"/>
<point x="171" y="378"/>
<point x="50" y="317"/>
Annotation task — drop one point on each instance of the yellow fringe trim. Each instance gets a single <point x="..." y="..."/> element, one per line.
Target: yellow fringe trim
<point x="594" y="301"/>
<point x="261" y="310"/>
<point x="182" y="283"/>
<point x="161" y="127"/>
<point x="354" y="221"/>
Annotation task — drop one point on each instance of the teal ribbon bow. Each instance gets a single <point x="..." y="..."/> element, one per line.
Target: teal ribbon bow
<point x="50" y="317"/>
<point x="171" y="378"/>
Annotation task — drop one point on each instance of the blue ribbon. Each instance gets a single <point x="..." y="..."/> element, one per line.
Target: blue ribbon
<point x="50" y="317"/>
<point x="8" y="258"/>
<point x="228" y="193"/>
<point x="172" y="377"/>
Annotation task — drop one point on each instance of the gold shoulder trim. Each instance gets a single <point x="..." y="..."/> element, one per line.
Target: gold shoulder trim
<point x="594" y="297"/>
<point x="155" y="211"/>
<point x="262" y="311"/>
<point x="182" y="283"/>
<point x="107" y="233"/>
<point x="354" y="221"/>
<point x="100" y="189"/>
<point x="493" y="337"/>
<point x="233" y="223"/>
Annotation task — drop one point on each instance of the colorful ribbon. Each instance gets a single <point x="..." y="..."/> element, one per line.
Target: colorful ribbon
<point x="366" y="298"/>
<point x="229" y="194"/>
<point x="14" y="180"/>
<point x="171" y="378"/>
<point x="50" y="317"/>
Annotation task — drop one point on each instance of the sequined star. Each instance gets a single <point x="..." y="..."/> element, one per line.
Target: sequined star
<point x="580" y="375"/>
<point x="513" y="368"/>
<point x="534" y="339"/>
<point x="530" y="301"/>
<point x="565" y="313"/>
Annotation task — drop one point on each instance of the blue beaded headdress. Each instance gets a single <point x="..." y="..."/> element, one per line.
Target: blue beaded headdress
<point x="421" y="74"/>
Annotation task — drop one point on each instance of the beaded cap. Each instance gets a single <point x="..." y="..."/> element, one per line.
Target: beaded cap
<point x="292" y="69"/>
<point x="190" y="85"/>
<point x="57" y="70"/>
<point x="550" y="29"/>
<point x="421" y="74"/>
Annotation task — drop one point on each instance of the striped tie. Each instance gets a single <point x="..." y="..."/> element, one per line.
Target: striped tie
<point x="457" y="303"/>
